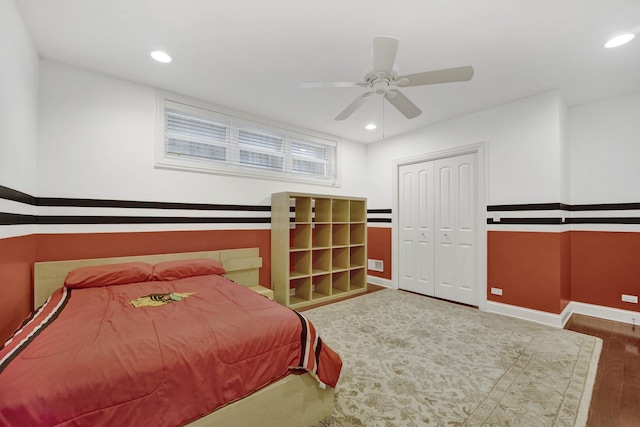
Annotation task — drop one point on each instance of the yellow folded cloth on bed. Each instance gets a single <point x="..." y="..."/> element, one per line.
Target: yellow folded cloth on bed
<point x="154" y="300"/>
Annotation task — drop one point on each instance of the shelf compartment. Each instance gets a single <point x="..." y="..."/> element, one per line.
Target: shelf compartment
<point x="321" y="262"/>
<point x="300" y="236"/>
<point x="321" y="235"/>
<point x="301" y="208"/>
<point x="339" y="283"/>
<point x="322" y="210"/>
<point x="321" y="286"/>
<point x="357" y="234"/>
<point x="357" y="211"/>
<point x="299" y="264"/>
<point x="302" y="290"/>
<point x="340" y="235"/>
<point x="357" y="255"/>
<point x="357" y="279"/>
<point x="340" y="258"/>
<point x="340" y="210"/>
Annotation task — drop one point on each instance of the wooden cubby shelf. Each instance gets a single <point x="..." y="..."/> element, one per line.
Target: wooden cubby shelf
<point x="318" y="247"/>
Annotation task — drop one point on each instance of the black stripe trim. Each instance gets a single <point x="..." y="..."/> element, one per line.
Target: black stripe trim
<point x="558" y="221"/>
<point x="603" y="220"/>
<point x="105" y="203"/>
<point x="388" y="220"/>
<point x="606" y="207"/>
<point x="146" y="220"/>
<point x="37" y="332"/>
<point x="565" y="207"/>
<point x="528" y="221"/>
<point x="529" y="207"/>
<point x="18" y="219"/>
<point x="16" y="196"/>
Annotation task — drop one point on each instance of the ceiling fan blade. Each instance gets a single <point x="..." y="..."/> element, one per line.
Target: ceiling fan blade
<point x="449" y="75"/>
<point x="384" y="53"/>
<point x="403" y="104"/>
<point x="318" y="85"/>
<point x="353" y="106"/>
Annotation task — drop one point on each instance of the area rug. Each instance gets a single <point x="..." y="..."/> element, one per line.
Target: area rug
<point x="411" y="360"/>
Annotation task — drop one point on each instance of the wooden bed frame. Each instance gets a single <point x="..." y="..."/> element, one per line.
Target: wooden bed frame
<point x="295" y="400"/>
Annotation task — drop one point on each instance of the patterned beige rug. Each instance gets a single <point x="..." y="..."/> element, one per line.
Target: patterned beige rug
<point x="416" y="361"/>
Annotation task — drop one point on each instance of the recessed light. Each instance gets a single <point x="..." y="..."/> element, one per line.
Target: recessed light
<point x="370" y="126"/>
<point x="160" y="56"/>
<point x="619" y="40"/>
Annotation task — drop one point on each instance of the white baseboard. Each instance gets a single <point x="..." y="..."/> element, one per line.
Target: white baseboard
<point x="380" y="281"/>
<point x="559" y="320"/>
<point x="537" y="316"/>
<point x="608" y="313"/>
<point x="543" y="317"/>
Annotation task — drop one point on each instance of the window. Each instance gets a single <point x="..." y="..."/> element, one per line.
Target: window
<point x="200" y="139"/>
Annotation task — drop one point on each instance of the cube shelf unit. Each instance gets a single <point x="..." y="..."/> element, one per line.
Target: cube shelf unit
<point x="318" y="247"/>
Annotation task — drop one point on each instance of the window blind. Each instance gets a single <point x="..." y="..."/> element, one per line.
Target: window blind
<point x="207" y="137"/>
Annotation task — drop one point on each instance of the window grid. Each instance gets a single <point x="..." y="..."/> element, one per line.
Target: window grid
<point x="206" y="137"/>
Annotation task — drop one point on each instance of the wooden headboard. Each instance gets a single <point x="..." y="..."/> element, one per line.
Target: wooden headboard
<point x="242" y="266"/>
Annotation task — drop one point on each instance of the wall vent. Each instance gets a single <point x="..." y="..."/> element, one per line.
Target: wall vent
<point x="375" y="265"/>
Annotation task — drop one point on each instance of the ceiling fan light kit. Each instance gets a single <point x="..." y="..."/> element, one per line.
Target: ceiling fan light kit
<point x="383" y="81"/>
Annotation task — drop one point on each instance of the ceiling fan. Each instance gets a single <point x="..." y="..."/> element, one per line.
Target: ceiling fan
<point x="384" y="81"/>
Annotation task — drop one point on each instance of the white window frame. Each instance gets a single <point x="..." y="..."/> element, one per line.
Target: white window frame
<point x="234" y="122"/>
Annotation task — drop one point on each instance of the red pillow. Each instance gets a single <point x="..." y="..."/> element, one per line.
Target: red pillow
<point x="173" y="270"/>
<point x="108" y="274"/>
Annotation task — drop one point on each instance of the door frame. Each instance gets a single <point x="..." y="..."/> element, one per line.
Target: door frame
<point x="480" y="149"/>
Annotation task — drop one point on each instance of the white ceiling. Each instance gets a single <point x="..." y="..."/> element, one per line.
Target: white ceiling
<point x="250" y="55"/>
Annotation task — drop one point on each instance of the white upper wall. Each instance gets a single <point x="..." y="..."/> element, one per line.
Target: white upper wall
<point x="97" y="139"/>
<point x="605" y="151"/>
<point x="18" y="101"/>
<point x="565" y="155"/>
<point x="525" y="162"/>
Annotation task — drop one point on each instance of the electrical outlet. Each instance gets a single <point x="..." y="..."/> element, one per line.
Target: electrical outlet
<point x="496" y="291"/>
<point x="630" y="298"/>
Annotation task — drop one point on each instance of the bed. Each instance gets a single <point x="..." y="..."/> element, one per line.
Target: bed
<point x="282" y="376"/>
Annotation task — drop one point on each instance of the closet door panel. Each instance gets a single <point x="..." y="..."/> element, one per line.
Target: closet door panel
<point x="416" y="228"/>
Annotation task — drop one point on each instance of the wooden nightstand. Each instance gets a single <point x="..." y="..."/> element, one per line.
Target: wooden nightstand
<point x="262" y="291"/>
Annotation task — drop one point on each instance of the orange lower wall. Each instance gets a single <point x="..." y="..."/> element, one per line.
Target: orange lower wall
<point x="55" y="247"/>
<point x="565" y="270"/>
<point x="529" y="268"/>
<point x="17" y="255"/>
<point x="545" y="271"/>
<point x="379" y="247"/>
<point x="541" y="271"/>
<point x="605" y="265"/>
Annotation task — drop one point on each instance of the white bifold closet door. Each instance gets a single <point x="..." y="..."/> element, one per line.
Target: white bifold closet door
<point x="416" y="228"/>
<point x="437" y="228"/>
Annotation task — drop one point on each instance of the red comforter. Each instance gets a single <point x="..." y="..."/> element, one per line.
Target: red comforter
<point x="87" y="357"/>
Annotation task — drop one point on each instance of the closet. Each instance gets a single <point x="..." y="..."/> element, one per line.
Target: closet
<point x="437" y="228"/>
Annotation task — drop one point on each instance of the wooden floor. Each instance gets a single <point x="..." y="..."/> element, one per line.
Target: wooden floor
<point x="616" y="394"/>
